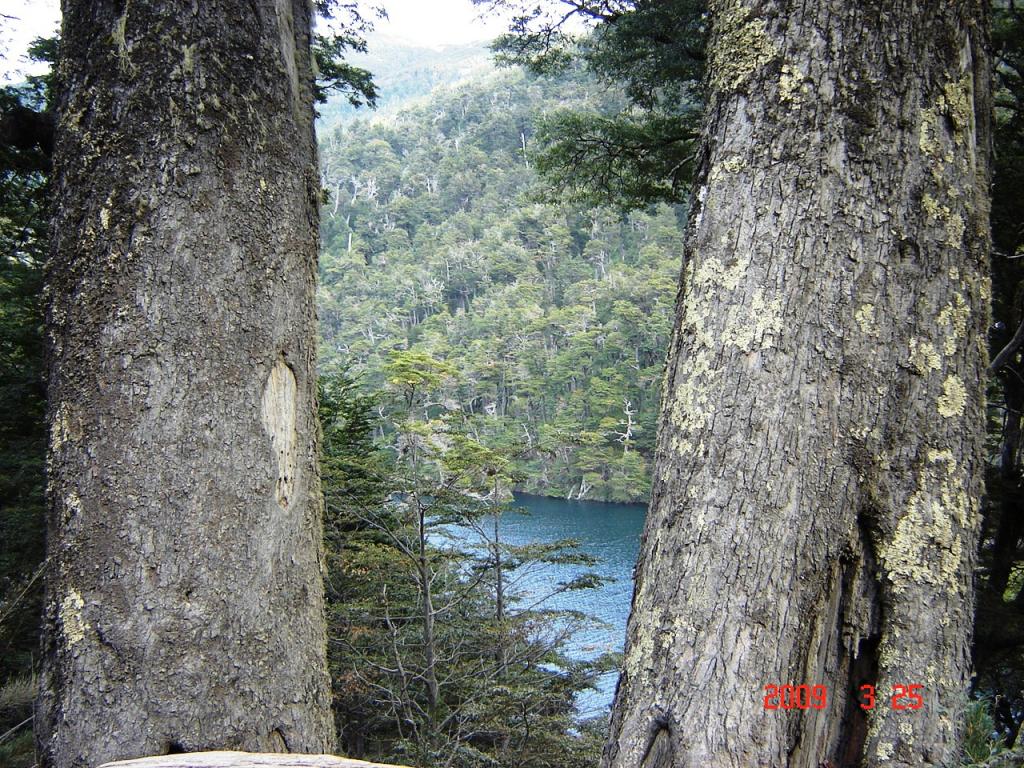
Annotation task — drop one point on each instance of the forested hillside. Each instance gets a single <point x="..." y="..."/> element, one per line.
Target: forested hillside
<point x="556" y="318"/>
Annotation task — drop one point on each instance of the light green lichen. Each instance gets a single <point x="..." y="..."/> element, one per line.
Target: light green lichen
<point x="952" y="321"/>
<point x="929" y="142"/>
<point x="71" y="621"/>
<point x="119" y="37"/>
<point x="955" y="103"/>
<point x="888" y="654"/>
<point x="957" y="98"/>
<point x="690" y="408"/>
<point x="925" y="548"/>
<point x="758" y="328"/>
<point x="985" y="289"/>
<point x="710" y="326"/>
<point x="72" y="506"/>
<point x="641" y="650"/>
<point x="730" y="165"/>
<point x="885" y="750"/>
<point x="791" y="84"/>
<point x="953" y="399"/>
<point x="691" y="404"/>
<point x="188" y="58"/>
<point x="865" y="317"/>
<point x="952" y="221"/>
<point x="105" y="218"/>
<point x="924" y="357"/>
<point x="954" y="229"/>
<point x="63" y="427"/>
<point x="951" y="491"/>
<point x="931" y="206"/>
<point x="713" y="272"/>
<point x="742" y="47"/>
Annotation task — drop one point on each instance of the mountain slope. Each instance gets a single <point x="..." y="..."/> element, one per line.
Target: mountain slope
<point x="556" y="317"/>
<point x="404" y="72"/>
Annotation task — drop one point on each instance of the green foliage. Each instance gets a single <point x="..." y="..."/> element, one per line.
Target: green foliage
<point x="334" y="73"/>
<point x="980" y="741"/>
<point x="25" y="145"/>
<point x="643" y="159"/>
<point x="643" y="151"/>
<point x="432" y="661"/>
<point x="412" y="372"/>
<point x="555" y="317"/>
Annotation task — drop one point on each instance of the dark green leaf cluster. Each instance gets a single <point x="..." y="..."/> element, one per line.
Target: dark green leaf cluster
<point x="644" y="160"/>
<point x="653" y="52"/>
<point x="334" y="73"/>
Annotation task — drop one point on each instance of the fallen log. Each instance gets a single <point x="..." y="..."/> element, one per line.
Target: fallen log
<point x="244" y="760"/>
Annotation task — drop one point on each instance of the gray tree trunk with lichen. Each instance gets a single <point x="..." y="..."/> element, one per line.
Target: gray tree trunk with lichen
<point x="815" y="504"/>
<point x="185" y="598"/>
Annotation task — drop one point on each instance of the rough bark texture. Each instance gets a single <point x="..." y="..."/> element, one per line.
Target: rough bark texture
<point x="185" y="598"/>
<point x="246" y="760"/>
<point x="815" y="505"/>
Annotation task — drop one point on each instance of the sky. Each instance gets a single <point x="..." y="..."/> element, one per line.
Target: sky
<point x="424" y="22"/>
<point x="21" y="21"/>
<point x="437" y="22"/>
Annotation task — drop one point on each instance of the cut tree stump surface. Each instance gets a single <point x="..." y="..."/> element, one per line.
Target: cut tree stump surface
<point x="244" y="760"/>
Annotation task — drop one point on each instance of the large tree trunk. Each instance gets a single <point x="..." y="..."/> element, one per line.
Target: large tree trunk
<point x="815" y="505"/>
<point x="185" y="598"/>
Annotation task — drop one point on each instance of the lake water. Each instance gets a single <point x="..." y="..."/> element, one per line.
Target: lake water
<point x="609" y="532"/>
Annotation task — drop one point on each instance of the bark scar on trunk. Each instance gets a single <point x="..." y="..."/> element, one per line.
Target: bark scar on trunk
<point x="279" y="410"/>
<point x="286" y="28"/>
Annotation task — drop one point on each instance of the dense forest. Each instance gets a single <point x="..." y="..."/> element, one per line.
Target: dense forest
<point x="773" y="287"/>
<point x="554" y="316"/>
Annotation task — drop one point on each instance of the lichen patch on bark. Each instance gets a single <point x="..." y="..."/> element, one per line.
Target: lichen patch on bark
<point x="925" y="548"/>
<point x="953" y="399"/>
<point x="64" y="427"/>
<point x="72" y="506"/>
<point x="759" y="329"/>
<point x="865" y="317"/>
<point x="923" y="356"/>
<point x="743" y="47"/>
<point x="71" y="620"/>
<point x="792" y="84"/>
<point x="953" y="321"/>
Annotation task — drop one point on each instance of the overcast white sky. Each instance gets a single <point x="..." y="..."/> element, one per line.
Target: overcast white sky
<point x="425" y="22"/>
<point x="21" y="22"/>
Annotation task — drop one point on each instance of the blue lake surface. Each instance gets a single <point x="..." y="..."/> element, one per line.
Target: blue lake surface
<point x="609" y="532"/>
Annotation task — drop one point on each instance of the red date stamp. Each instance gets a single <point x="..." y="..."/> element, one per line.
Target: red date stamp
<point x="904" y="697"/>
<point x="795" y="696"/>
